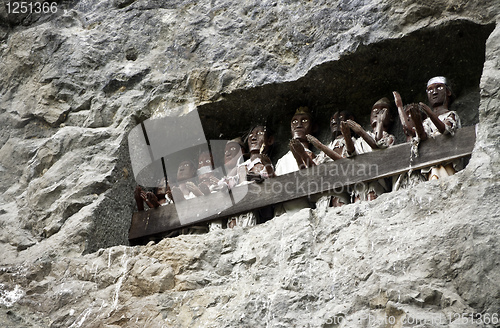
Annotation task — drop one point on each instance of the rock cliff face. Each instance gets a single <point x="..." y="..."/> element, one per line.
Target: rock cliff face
<point x="75" y="82"/>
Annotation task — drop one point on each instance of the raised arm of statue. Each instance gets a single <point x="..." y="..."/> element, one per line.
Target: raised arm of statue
<point x="298" y="151"/>
<point x="416" y="119"/>
<point x="440" y="125"/>
<point x="403" y="116"/>
<point x="318" y="144"/>
<point x="362" y="133"/>
<point x="346" y="132"/>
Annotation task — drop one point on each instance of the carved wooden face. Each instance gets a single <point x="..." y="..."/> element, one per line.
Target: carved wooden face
<point x="186" y="170"/>
<point x="380" y="113"/>
<point x="205" y="159"/>
<point x="232" y="150"/>
<point x="301" y="126"/>
<point x="335" y="122"/>
<point x="438" y="94"/>
<point x="257" y="138"/>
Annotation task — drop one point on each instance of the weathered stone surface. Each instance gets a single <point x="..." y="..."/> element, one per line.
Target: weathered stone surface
<point x="74" y="83"/>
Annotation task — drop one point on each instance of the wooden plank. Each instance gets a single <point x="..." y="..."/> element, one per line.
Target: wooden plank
<point x="334" y="175"/>
<point x="153" y="221"/>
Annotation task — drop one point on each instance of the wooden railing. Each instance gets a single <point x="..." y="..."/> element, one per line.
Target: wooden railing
<point x="334" y="175"/>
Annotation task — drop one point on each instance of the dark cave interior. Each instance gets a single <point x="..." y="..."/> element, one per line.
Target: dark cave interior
<point x="357" y="80"/>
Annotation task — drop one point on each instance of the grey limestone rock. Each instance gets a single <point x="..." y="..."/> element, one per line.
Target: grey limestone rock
<point x="74" y="83"/>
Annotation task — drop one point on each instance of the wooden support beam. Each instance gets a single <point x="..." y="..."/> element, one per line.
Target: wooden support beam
<point x="334" y="175"/>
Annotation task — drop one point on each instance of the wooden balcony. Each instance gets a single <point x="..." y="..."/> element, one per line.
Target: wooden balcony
<point x="334" y="175"/>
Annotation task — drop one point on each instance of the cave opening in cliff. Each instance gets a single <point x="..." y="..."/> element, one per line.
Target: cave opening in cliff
<point x="355" y="81"/>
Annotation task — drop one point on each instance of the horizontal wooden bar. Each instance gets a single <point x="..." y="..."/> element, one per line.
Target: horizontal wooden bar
<point x="325" y="177"/>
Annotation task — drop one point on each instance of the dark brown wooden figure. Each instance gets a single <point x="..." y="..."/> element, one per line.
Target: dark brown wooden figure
<point x="185" y="188"/>
<point x="408" y="115"/>
<point x="440" y="120"/>
<point x="233" y="155"/>
<point x="413" y="177"/>
<point x="258" y="167"/>
<point x="207" y="180"/>
<point x="380" y="121"/>
<point x="331" y="152"/>
<point x="378" y="138"/>
<point x="335" y="150"/>
<point x="299" y="156"/>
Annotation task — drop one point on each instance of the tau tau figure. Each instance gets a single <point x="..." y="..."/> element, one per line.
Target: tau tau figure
<point x="413" y="177"/>
<point x="336" y="149"/>
<point x="233" y="156"/>
<point x="378" y="138"/>
<point x="185" y="189"/>
<point x="440" y="120"/>
<point x="257" y="168"/>
<point x="333" y="151"/>
<point x="207" y="180"/>
<point x="299" y="156"/>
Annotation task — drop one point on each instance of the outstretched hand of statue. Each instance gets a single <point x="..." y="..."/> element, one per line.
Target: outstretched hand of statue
<point x="362" y="133"/>
<point x="210" y="180"/>
<point x="152" y="200"/>
<point x="398" y="100"/>
<point x="296" y="146"/>
<point x="139" y="196"/>
<point x="268" y="165"/>
<point x="353" y="126"/>
<point x="139" y="193"/>
<point x="214" y="180"/>
<point x="316" y="143"/>
<point x="204" y="188"/>
<point x="251" y="176"/>
<point x="301" y="156"/>
<point x="416" y="117"/>
<point x="177" y="194"/>
<point x="434" y="117"/>
<point x="404" y="117"/>
<point x="345" y="129"/>
<point x="426" y="109"/>
<point x="346" y="132"/>
<point x="264" y="159"/>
